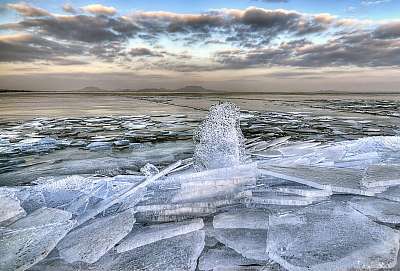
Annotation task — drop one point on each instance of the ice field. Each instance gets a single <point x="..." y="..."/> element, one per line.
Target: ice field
<point x="226" y="189"/>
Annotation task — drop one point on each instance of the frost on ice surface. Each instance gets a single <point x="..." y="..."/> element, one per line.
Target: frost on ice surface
<point x="219" y="142"/>
<point x="245" y="218"/>
<point x="149" y="169"/>
<point x="340" y="180"/>
<point x="225" y="257"/>
<point x="179" y="253"/>
<point x="381" y="210"/>
<point x="331" y="236"/>
<point x="381" y="175"/>
<point x="32" y="238"/>
<point x="391" y="193"/>
<point x="92" y="240"/>
<point x="10" y="208"/>
<point x="141" y="236"/>
<point x="250" y="243"/>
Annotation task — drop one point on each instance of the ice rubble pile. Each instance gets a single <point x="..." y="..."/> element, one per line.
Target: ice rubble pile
<point x="296" y="206"/>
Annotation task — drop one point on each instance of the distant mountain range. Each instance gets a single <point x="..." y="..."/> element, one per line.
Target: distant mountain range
<point x="194" y="90"/>
<point x="183" y="89"/>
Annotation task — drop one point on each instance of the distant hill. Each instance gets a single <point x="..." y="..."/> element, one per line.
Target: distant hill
<point x="194" y="89"/>
<point x="92" y="89"/>
<point x="185" y="89"/>
<point x="13" y="90"/>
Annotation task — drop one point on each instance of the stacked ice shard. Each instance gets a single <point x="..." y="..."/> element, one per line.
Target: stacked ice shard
<point x="297" y="206"/>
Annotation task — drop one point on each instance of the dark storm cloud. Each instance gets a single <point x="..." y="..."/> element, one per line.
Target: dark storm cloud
<point x="388" y="31"/>
<point x="135" y="52"/>
<point x="25" y="48"/>
<point x="356" y="49"/>
<point x="251" y="27"/>
<point x="81" y="28"/>
<point x="166" y="22"/>
<point x="239" y="59"/>
<point x="68" y="62"/>
<point x="108" y="51"/>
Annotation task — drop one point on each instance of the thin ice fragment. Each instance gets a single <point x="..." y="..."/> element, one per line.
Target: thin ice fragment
<point x="225" y="257"/>
<point x="92" y="240"/>
<point x="248" y="219"/>
<point x="179" y="253"/>
<point x="381" y="175"/>
<point x="141" y="236"/>
<point x="381" y="210"/>
<point x="10" y="208"/>
<point x="331" y="236"/>
<point x="251" y="243"/>
<point x="339" y="180"/>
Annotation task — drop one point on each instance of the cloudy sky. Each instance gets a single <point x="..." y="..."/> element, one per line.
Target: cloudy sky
<point x="255" y="45"/>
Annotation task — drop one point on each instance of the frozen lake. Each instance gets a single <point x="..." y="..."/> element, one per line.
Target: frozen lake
<point x="317" y="190"/>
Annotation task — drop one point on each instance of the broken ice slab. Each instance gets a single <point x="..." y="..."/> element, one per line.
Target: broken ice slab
<point x="135" y="192"/>
<point x="56" y="264"/>
<point x="42" y="217"/>
<point x="174" y="214"/>
<point x="330" y="236"/>
<point x="303" y="190"/>
<point x="338" y="180"/>
<point x="179" y="253"/>
<point x="242" y="171"/>
<point x="381" y="210"/>
<point x="149" y="169"/>
<point x="72" y="167"/>
<point x="32" y="238"/>
<point x="141" y="236"/>
<point x="92" y="240"/>
<point x="217" y="184"/>
<point x="353" y="153"/>
<point x="371" y="144"/>
<point x="276" y="198"/>
<point x="361" y="161"/>
<point x="72" y="193"/>
<point x="272" y="267"/>
<point x="99" y="146"/>
<point x="298" y="149"/>
<point x="54" y="192"/>
<point x="381" y="175"/>
<point x="391" y="193"/>
<point x="212" y="259"/>
<point x="37" y="145"/>
<point x="244" y="218"/>
<point x="180" y="211"/>
<point x="10" y="208"/>
<point x="212" y="189"/>
<point x="251" y="243"/>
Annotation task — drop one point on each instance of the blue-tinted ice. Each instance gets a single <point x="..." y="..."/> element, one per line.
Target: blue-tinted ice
<point x="113" y="202"/>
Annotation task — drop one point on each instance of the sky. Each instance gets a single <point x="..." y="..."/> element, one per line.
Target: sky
<point x="240" y="45"/>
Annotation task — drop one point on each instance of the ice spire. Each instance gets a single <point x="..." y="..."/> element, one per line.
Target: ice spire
<point x="218" y="140"/>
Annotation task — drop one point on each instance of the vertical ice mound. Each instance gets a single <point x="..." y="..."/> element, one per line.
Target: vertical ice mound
<point x="218" y="140"/>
